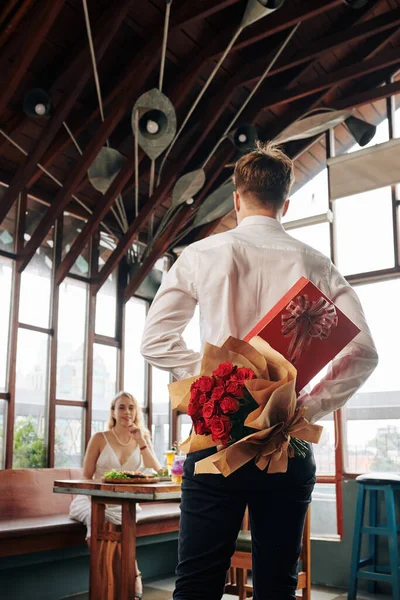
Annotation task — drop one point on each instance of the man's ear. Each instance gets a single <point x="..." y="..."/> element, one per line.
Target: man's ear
<point x="285" y="207"/>
<point x="236" y="201"/>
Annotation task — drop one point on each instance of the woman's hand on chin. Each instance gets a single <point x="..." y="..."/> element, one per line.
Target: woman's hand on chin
<point x="137" y="434"/>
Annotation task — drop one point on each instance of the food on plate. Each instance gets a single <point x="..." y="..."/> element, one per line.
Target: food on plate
<point x="116" y="474"/>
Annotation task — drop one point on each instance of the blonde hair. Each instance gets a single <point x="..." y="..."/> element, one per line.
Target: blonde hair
<point x="264" y="176"/>
<point x="138" y="420"/>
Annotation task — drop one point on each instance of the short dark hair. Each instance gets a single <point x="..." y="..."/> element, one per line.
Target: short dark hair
<point x="264" y="176"/>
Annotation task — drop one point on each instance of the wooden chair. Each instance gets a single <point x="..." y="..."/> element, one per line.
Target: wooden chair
<point x="237" y="583"/>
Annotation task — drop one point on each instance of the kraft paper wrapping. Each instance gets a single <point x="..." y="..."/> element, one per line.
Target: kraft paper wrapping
<point x="276" y="419"/>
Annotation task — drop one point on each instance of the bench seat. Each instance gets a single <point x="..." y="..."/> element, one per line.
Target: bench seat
<point x="25" y="527"/>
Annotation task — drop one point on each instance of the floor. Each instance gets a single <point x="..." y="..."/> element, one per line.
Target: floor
<point x="162" y="590"/>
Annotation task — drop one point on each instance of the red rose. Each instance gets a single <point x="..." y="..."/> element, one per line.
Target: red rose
<point x="235" y="388"/>
<point x="220" y="429"/>
<point x="193" y="409"/>
<point x="245" y="374"/>
<point x="201" y="428"/>
<point x="209" y="409"/>
<point x="206" y="383"/>
<point x="218" y="392"/>
<point x="229" y="405"/>
<point x="195" y="385"/>
<point x="194" y="394"/>
<point x="202" y="399"/>
<point x="223" y="370"/>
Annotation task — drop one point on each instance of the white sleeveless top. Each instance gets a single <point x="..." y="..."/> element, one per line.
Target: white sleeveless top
<point x="109" y="460"/>
<point x="80" y="508"/>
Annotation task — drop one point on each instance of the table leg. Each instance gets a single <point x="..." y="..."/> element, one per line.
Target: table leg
<point x="98" y="520"/>
<point x="128" y="550"/>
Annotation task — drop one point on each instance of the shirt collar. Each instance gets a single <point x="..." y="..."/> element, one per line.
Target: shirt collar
<point x="261" y="220"/>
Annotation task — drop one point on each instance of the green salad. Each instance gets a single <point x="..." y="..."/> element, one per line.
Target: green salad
<point x="115" y="474"/>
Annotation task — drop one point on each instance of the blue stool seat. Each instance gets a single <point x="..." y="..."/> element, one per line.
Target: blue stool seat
<point x="386" y="484"/>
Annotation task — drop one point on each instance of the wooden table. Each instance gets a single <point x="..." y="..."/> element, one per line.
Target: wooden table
<point x="126" y="495"/>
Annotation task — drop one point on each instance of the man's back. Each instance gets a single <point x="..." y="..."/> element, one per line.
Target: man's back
<point x="236" y="277"/>
<point x="245" y="271"/>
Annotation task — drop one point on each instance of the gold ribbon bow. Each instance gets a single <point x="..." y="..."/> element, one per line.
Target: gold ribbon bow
<point x="307" y="319"/>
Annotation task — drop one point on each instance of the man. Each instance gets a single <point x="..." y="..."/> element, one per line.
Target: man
<point x="236" y="277"/>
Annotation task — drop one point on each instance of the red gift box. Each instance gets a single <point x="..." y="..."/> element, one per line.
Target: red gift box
<point x="307" y="328"/>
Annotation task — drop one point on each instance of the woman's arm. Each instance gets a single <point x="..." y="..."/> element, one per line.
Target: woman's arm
<point x="150" y="460"/>
<point x="149" y="457"/>
<point x="91" y="456"/>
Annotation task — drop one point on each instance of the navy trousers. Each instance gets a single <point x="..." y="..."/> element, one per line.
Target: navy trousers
<point x="212" y="509"/>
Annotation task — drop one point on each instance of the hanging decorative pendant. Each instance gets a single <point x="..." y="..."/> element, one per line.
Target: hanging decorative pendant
<point x="217" y="205"/>
<point x="257" y="9"/>
<point x="105" y="168"/>
<point x="187" y="186"/>
<point x="37" y="103"/>
<point x="156" y="122"/>
<point x="313" y="125"/>
<point x="244" y="138"/>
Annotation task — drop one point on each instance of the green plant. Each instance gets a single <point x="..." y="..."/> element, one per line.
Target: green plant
<point x="29" y="446"/>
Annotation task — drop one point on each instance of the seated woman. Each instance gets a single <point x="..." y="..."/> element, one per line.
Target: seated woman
<point x="127" y="446"/>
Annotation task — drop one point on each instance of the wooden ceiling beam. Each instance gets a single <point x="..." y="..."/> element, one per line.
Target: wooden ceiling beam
<point x="63" y="196"/>
<point x="10" y="26"/>
<point x="8" y="7"/>
<point x="167" y="183"/>
<point x="279" y="21"/>
<point x="32" y="36"/>
<point x="369" y="96"/>
<point x="222" y="100"/>
<point x="219" y="103"/>
<point x="133" y="78"/>
<point x="93" y="222"/>
<point x="381" y="61"/>
<point x="115" y="16"/>
<point x="356" y="33"/>
<point x="194" y="11"/>
<point x="355" y="56"/>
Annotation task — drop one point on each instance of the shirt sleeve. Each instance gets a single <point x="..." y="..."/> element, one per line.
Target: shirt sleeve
<point x="171" y="310"/>
<point x="352" y="366"/>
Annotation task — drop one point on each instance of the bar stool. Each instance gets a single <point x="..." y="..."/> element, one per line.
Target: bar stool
<point x="373" y="483"/>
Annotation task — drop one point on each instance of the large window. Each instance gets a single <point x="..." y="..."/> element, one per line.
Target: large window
<point x="104" y="383"/>
<point x="31" y="399"/>
<point x="35" y="297"/>
<point x="160" y="427"/>
<point x="7" y="227"/>
<point x="71" y="340"/>
<point x="68" y="447"/>
<point x="310" y="201"/>
<point x="135" y="371"/>
<point x="106" y="307"/>
<point x="358" y="228"/>
<point x="6" y="273"/>
<point x="372" y="424"/>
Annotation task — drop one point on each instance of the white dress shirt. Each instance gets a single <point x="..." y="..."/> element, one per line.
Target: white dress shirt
<point x="236" y="277"/>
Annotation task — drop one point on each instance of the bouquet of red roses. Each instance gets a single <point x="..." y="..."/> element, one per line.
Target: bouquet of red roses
<point x="219" y="404"/>
<point x="244" y="401"/>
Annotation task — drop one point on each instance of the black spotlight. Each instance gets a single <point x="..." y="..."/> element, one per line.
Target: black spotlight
<point x="37" y="103"/>
<point x="356" y="3"/>
<point x="153" y="123"/>
<point x="361" y="131"/>
<point x="244" y="138"/>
